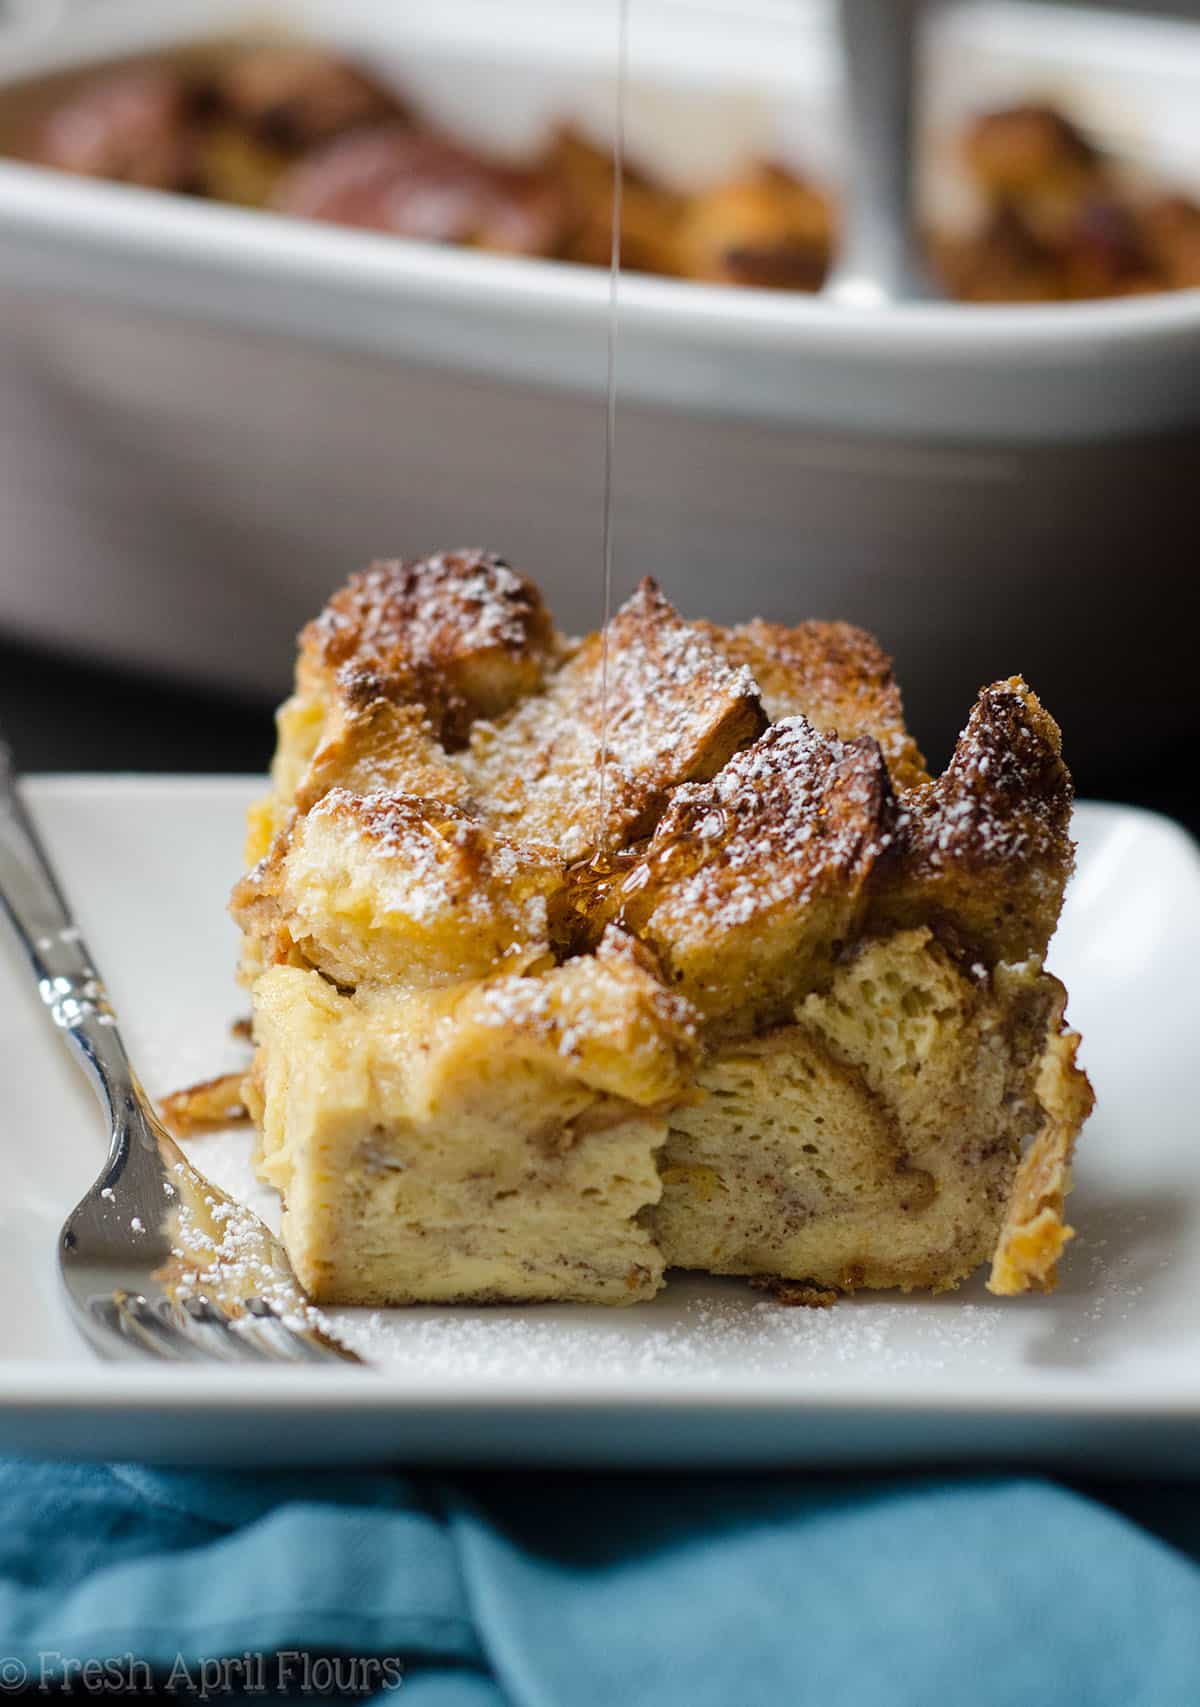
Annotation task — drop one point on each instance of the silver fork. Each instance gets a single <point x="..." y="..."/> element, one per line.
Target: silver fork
<point x="157" y="1261"/>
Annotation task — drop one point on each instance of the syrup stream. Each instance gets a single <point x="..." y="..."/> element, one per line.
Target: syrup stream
<point x="610" y="419"/>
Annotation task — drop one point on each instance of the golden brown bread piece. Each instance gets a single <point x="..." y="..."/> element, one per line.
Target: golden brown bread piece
<point x="386" y="887"/>
<point x="1103" y="246"/>
<point x="1002" y="260"/>
<point x="416" y="183"/>
<point x="1171" y="231"/>
<point x="1059" y="221"/>
<point x="463" y="634"/>
<point x="219" y="1101"/>
<point x="752" y="881"/>
<point x="834" y="674"/>
<point x="778" y="1010"/>
<point x="767" y="228"/>
<point x="649" y="210"/>
<point x="291" y="95"/>
<point x="360" y="749"/>
<point x="389" y="679"/>
<point x="986" y="848"/>
<point x="605" y="1017"/>
<point x="391" y="675"/>
<point x="676" y="711"/>
<point x="1030" y="149"/>
<point x="373" y="746"/>
<point x="131" y="125"/>
<point x="352" y="742"/>
<point x="262" y="108"/>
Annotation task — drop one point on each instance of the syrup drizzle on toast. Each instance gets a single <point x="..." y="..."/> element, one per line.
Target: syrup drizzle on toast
<point x="610" y="419"/>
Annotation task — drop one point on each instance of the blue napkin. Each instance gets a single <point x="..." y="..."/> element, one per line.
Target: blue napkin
<point x="558" y="1591"/>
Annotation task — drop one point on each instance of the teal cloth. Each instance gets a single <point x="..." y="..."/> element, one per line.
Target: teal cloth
<point x="560" y="1591"/>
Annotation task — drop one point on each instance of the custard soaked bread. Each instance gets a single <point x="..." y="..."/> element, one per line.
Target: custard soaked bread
<point x="568" y="970"/>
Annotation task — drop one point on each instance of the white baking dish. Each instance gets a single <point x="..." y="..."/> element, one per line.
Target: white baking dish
<point x="212" y="414"/>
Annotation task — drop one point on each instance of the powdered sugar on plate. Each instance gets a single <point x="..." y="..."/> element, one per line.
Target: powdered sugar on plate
<point x="703" y="1330"/>
<point x="697" y="1329"/>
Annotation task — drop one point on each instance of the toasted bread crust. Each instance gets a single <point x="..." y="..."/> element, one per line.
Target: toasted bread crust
<point x="987" y="846"/>
<point x="1035" y="1232"/>
<point x="834" y="674"/>
<point x="219" y="1101"/>
<point x="372" y="746"/>
<point x="752" y="879"/>
<point x="414" y="892"/>
<point x="665" y="708"/>
<point x="462" y="634"/>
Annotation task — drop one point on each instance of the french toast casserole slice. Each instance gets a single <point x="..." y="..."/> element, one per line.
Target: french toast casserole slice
<point x="569" y="970"/>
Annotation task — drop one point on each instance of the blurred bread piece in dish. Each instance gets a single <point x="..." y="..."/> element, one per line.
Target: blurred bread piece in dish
<point x="1061" y="221"/>
<point x="543" y="1011"/>
<point x="416" y="184"/>
<point x="292" y="96"/>
<point x="650" y="210"/>
<point x="132" y="125"/>
<point x="769" y="229"/>
<point x="267" y="106"/>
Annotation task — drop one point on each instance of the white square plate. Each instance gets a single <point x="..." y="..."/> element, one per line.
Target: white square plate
<point x="1104" y="1372"/>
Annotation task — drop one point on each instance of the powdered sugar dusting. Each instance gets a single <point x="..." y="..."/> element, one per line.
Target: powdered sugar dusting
<point x="713" y="1332"/>
<point x="796" y="808"/>
<point x="665" y="680"/>
<point x="226" y="1157"/>
<point x="449" y="605"/>
<point x="835" y="675"/>
<point x="1005" y="798"/>
<point x="224" y="1252"/>
<point x="428" y="859"/>
<point x="608" y="999"/>
<point x="702" y="1331"/>
<point x="462" y="634"/>
<point x="698" y="1329"/>
<point x="672" y="707"/>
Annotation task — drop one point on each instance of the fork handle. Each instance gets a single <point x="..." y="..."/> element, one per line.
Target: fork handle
<point x="66" y="978"/>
